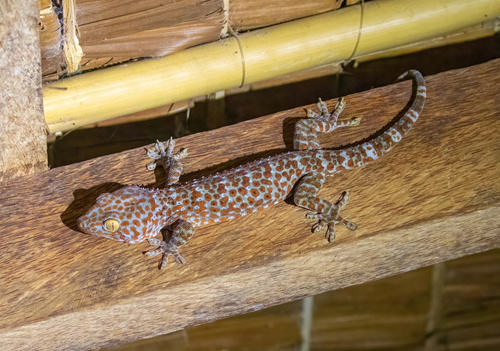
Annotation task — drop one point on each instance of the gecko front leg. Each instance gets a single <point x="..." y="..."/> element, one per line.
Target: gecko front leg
<point x="306" y="130"/>
<point x="163" y="153"/>
<point x="181" y="233"/>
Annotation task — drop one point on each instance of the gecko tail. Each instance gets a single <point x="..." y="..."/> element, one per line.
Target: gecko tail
<point x="378" y="145"/>
<point x="401" y="126"/>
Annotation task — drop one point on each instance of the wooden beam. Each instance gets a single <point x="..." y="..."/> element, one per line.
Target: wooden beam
<point x="433" y="198"/>
<point x="23" y="142"/>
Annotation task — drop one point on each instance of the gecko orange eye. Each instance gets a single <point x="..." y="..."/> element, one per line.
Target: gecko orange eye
<point x="111" y="225"/>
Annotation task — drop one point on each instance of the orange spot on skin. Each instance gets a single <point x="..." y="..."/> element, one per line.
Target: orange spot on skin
<point x="245" y="181"/>
<point x="232" y="192"/>
<point x="254" y="192"/>
<point x="176" y="208"/>
<point x="251" y="200"/>
<point x="221" y="189"/>
<point x="242" y="191"/>
<point x="223" y="201"/>
<point x="268" y="171"/>
<point x="134" y="230"/>
<point x="259" y="202"/>
<point x="256" y="175"/>
<point x="152" y="203"/>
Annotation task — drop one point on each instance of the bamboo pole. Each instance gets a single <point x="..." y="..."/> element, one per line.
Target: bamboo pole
<point x="266" y="53"/>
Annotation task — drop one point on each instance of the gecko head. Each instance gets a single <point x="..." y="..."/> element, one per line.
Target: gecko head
<point x="126" y="214"/>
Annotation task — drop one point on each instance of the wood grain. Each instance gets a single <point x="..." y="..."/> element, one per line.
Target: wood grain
<point x="23" y="145"/>
<point x="386" y="314"/>
<point x="433" y="198"/>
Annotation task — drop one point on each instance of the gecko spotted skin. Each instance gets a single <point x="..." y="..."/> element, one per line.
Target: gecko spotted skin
<point x="133" y="214"/>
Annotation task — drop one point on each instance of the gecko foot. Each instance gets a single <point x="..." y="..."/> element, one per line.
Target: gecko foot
<point x="163" y="153"/>
<point x="166" y="249"/>
<point x="330" y="217"/>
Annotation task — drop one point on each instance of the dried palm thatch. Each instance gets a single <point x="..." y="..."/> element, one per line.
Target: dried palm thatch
<point x="371" y="29"/>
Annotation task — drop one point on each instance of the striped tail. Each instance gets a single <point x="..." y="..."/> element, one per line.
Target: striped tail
<point x="374" y="148"/>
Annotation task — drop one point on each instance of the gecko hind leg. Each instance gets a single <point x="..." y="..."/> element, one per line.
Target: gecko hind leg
<point x="306" y="130"/>
<point x="325" y="213"/>
<point x="163" y="153"/>
<point x="181" y="233"/>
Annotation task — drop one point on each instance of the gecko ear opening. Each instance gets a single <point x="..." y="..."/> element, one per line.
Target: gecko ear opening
<point x="111" y="225"/>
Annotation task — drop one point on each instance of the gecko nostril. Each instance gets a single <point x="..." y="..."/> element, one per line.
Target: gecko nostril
<point x="80" y="222"/>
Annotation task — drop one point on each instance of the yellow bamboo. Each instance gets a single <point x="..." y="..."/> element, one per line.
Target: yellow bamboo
<point x="267" y="53"/>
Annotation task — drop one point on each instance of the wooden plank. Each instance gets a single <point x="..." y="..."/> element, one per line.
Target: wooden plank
<point x="433" y="198"/>
<point x="387" y="314"/>
<point x="23" y="146"/>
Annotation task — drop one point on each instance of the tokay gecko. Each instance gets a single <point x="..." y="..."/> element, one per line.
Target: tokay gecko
<point x="133" y="214"/>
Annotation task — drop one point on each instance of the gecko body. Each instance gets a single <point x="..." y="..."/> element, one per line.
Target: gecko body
<point x="133" y="214"/>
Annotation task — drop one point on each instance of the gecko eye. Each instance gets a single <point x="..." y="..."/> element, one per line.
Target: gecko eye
<point x="111" y="225"/>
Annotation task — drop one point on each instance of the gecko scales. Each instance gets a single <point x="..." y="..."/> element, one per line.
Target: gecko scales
<point x="133" y="214"/>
